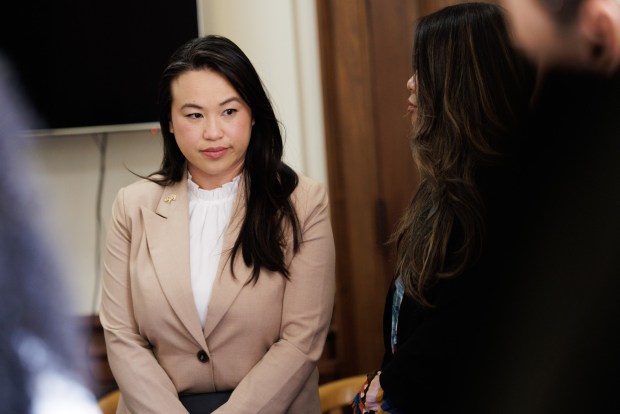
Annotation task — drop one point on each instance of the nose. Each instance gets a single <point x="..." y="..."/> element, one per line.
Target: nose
<point x="212" y="129"/>
<point x="410" y="84"/>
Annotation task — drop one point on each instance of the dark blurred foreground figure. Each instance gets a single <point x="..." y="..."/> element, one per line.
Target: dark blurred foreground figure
<point x="469" y="94"/>
<point x="38" y="368"/>
<point x="560" y="329"/>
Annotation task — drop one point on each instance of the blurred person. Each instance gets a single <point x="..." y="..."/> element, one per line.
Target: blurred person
<point x="40" y="365"/>
<point x="219" y="271"/>
<point x="559" y="324"/>
<point x="577" y="34"/>
<point x="469" y="94"/>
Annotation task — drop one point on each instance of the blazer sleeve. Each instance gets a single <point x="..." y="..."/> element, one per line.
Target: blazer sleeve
<point x="135" y="369"/>
<point x="277" y="379"/>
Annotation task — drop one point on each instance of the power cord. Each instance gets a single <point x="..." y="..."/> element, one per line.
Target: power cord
<point x="101" y="140"/>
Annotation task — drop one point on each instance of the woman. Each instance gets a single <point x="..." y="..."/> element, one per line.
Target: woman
<point x="468" y="96"/>
<point x="219" y="271"/>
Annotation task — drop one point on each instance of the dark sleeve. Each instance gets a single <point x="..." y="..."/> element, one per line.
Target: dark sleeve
<point x="387" y="326"/>
<point x="431" y="347"/>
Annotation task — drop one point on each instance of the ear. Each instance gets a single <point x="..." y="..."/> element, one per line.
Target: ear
<point x="170" y="127"/>
<point x="599" y="24"/>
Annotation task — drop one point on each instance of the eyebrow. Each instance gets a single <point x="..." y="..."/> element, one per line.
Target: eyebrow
<point x="229" y="100"/>
<point x="196" y="106"/>
<point x="191" y="105"/>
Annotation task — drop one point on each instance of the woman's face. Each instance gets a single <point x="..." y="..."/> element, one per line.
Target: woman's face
<point x="412" y="107"/>
<point x="212" y="126"/>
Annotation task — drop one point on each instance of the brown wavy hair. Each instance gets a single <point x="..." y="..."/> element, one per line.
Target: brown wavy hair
<point x="472" y="91"/>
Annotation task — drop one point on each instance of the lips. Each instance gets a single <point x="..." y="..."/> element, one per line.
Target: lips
<point x="411" y="106"/>
<point x="215" y="152"/>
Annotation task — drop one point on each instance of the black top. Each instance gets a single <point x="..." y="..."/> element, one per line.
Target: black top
<point x="559" y="325"/>
<point x="534" y="327"/>
<point x="440" y="349"/>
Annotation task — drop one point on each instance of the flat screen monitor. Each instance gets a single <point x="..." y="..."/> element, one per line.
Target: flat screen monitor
<point x="94" y="66"/>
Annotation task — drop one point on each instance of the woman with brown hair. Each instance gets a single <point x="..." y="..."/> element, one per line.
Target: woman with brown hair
<point x="468" y="94"/>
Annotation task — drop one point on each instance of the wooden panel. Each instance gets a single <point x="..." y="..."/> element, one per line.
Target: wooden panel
<point x="392" y="24"/>
<point x="352" y="179"/>
<point x="365" y="61"/>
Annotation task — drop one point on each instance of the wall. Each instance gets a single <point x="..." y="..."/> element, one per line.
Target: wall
<point x="279" y="36"/>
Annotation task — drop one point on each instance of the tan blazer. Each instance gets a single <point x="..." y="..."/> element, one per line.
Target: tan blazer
<point x="262" y="340"/>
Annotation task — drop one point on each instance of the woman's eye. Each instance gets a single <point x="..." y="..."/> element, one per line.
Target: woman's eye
<point x="229" y="111"/>
<point x="194" y="116"/>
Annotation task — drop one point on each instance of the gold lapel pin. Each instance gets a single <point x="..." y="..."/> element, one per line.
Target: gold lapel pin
<point x="170" y="198"/>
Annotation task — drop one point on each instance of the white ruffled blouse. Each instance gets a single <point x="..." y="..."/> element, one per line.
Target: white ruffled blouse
<point x="209" y="215"/>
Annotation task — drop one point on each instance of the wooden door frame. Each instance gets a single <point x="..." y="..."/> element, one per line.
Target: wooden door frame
<point x="365" y="62"/>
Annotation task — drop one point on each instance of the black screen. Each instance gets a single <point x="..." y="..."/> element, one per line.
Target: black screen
<point x="85" y="63"/>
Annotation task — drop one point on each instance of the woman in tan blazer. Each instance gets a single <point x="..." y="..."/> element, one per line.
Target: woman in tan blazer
<point x="219" y="268"/>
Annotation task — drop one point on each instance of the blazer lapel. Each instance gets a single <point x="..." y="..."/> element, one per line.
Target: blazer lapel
<point x="226" y="287"/>
<point x="167" y="234"/>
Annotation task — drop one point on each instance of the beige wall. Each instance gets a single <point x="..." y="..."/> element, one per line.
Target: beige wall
<point x="280" y="38"/>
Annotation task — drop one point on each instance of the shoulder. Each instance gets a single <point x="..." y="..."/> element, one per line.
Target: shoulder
<point x="141" y="193"/>
<point x="308" y="188"/>
<point x="309" y="195"/>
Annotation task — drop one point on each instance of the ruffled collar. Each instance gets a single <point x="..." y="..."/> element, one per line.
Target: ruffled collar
<point x="220" y="193"/>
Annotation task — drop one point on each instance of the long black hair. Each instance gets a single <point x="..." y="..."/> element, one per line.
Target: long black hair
<point x="269" y="181"/>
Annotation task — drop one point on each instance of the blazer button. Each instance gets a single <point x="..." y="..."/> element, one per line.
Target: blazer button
<point x="202" y="356"/>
